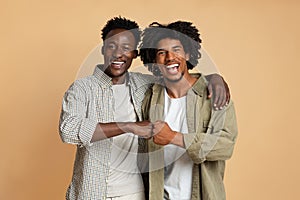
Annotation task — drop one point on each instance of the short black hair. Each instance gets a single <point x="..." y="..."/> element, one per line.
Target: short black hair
<point x="183" y="31"/>
<point x="122" y="23"/>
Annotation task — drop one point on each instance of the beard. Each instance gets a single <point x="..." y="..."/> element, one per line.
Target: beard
<point x="175" y="80"/>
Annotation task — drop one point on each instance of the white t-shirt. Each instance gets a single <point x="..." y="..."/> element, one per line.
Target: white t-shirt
<point x="178" y="165"/>
<point x="124" y="177"/>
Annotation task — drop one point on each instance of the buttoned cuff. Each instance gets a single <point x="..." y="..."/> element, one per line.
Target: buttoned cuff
<point x="193" y="147"/>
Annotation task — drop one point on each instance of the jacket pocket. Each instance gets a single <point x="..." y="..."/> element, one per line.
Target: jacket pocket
<point x="205" y="125"/>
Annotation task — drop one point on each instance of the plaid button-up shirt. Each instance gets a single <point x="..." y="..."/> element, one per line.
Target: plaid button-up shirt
<point x="87" y="102"/>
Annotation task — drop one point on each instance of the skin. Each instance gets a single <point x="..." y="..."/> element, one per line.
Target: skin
<point x="223" y="97"/>
<point x="171" y="51"/>
<point x="177" y="80"/>
<point x="119" y="46"/>
<point x="164" y="135"/>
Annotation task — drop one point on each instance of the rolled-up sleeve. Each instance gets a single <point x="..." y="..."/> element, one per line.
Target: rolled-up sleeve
<point x="75" y="126"/>
<point x="217" y="143"/>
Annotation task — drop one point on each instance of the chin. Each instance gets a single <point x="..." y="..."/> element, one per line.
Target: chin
<point x="174" y="80"/>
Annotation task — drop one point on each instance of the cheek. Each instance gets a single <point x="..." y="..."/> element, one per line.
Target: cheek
<point x="129" y="59"/>
<point x="129" y="56"/>
<point x="107" y="54"/>
<point x="159" y="60"/>
<point x="181" y="57"/>
<point x="106" y="58"/>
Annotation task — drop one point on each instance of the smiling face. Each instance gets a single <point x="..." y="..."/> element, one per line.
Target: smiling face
<point x="171" y="59"/>
<point x="118" y="51"/>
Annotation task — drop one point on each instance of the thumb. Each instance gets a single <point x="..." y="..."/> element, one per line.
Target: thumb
<point x="210" y="91"/>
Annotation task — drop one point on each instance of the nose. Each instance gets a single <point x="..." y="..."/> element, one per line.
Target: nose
<point x="118" y="52"/>
<point x="170" y="56"/>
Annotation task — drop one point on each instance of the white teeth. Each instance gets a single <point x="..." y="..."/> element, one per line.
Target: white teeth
<point x="117" y="63"/>
<point x="173" y="65"/>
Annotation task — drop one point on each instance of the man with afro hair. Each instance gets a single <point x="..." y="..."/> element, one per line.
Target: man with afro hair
<point x="185" y="158"/>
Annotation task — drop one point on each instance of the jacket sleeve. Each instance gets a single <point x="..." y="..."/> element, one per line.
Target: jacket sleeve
<point x="74" y="125"/>
<point x="217" y="143"/>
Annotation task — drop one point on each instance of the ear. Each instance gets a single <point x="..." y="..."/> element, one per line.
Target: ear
<point x="135" y="53"/>
<point x="102" y="50"/>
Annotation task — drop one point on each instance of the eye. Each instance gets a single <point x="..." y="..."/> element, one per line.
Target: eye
<point x="126" y="48"/>
<point x="177" y="50"/>
<point x="161" y="53"/>
<point x="111" y="46"/>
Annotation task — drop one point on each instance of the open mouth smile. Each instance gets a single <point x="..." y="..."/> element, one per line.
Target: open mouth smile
<point x="173" y="68"/>
<point x="117" y="64"/>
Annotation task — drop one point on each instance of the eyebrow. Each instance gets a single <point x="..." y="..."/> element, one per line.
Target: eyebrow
<point x="173" y="47"/>
<point x="129" y="44"/>
<point x="177" y="46"/>
<point x="123" y="44"/>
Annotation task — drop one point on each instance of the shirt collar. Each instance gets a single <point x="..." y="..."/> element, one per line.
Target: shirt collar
<point x="199" y="87"/>
<point x="104" y="78"/>
<point x="100" y="75"/>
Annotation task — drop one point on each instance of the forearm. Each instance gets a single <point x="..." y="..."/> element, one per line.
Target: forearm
<point x="108" y="130"/>
<point x="219" y="140"/>
<point x="212" y="147"/>
<point x="178" y="140"/>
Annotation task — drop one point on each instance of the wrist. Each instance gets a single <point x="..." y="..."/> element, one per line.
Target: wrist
<point x="178" y="139"/>
<point x="127" y="127"/>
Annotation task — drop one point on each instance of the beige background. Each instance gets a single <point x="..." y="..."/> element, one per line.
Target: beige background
<point x="255" y="45"/>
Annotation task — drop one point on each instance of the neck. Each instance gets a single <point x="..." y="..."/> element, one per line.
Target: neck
<point x="119" y="79"/>
<point x="180" y="88"/>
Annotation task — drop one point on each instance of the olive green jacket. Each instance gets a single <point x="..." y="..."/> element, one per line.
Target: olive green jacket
<point x="209" y="142"/>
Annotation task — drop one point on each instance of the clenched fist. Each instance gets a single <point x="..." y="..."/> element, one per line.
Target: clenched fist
<point x="163" y="134"/>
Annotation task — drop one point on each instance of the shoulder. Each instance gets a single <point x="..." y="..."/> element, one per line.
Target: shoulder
<point x="140" y="78"/>
<point x="84" y="85"/>
<point x="154" y="89"/>
<point x="200" y="86"/>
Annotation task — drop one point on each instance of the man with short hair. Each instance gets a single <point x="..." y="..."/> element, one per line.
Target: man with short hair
<point x="185" y="159"/>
